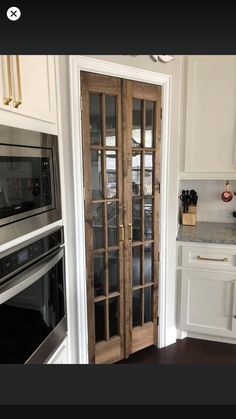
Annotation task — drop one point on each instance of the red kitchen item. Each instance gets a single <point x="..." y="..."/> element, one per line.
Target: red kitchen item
<point x="227" y="195"/>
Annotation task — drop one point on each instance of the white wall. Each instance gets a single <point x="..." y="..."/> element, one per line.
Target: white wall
<point x="210" y="206"/>
<point x="173" y="68"/>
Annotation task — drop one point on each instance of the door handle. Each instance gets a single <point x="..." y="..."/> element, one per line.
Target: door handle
<point x="122" y="233"/>
<point x="7" y="100"/>
<point x="130" y="231"/>
<point x="17" y="103"/>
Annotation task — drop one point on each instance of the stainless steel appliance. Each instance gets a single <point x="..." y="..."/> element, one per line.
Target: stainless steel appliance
<point x="29" y="181"/>
<point x="33" y="319"/>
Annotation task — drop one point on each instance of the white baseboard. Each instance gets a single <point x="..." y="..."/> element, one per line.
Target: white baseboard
<point x="170" y="337"/>
<point x="181" y="335"/>
<point x="213" y="338"/>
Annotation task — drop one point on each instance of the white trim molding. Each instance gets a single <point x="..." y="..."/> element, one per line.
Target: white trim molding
<point x="83" y="63"/>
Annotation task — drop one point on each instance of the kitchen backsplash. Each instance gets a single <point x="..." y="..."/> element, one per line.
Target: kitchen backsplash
<point x="210" y="206"/>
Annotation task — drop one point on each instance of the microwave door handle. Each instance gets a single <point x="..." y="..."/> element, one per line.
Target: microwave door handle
<point x="28" y="277"/>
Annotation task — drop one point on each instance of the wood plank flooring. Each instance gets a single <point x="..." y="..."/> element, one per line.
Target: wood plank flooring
<point x="186" y="351"/>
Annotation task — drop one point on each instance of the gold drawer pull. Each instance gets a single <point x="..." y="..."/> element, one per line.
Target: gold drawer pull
<point x="7" y="100"/>
<point x="122" y="233"/>
<point x="214" y="260"/>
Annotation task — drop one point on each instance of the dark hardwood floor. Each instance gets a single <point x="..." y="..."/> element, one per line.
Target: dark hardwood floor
<point x="186" y="351"/>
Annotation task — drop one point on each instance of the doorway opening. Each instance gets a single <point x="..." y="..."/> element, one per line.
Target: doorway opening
<point x="121" y="131"/>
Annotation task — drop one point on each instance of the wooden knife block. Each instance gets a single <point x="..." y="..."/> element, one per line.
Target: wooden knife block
<point x="190" y="218"/>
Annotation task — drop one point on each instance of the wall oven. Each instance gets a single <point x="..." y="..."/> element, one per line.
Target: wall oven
<point x="29" y="181"/>
<point x="33" y="319"/>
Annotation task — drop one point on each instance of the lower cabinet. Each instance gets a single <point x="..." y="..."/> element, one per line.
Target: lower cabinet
<point x="208" y="302"/>
<point x="61" y="355"/>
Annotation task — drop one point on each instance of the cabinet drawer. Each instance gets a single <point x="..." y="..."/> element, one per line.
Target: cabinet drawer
<point x="210" y="258"/>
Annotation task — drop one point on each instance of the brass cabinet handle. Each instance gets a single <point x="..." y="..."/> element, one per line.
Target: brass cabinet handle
<point x="7" y="100"/>
<point x="18" y="102"/>
<point x="215" y="260"/>
<point x="130" y="231"/>
<point x="122" y="233"/>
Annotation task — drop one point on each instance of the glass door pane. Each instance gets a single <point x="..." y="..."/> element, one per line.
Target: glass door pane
<point x="95" y="118"/>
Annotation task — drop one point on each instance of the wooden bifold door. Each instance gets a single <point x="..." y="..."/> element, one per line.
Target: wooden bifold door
<point x="121" y="122"/>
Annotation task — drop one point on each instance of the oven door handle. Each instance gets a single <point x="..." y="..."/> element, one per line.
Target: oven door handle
<point x="29" y="276"/>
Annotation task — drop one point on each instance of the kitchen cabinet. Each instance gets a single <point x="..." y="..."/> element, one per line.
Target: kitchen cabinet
<point x="61" y="355"/>
<point x="208" y="303"/>
<point x="207" y="295"/>
<point x="210" y="137"/>
<point x="28" y="88"/>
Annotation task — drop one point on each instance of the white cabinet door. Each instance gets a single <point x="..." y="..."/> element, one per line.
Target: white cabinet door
<point x="37" y="83"/>
<point x="211" y="115"/>
<point x="208" y="303"/>
<point x="60" y="356"/>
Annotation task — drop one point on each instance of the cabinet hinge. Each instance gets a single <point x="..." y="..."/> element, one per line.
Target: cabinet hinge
<point x="161" y="113"/>
<point x="81" y="103"/>
<point x="158" y="256"/>
<point x="157" y="321"/>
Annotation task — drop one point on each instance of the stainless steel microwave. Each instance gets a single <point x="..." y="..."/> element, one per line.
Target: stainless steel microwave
<point x="29" y="181"/>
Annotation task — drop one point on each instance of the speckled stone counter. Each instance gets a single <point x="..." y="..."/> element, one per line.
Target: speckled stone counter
<point x="206" y="232"/>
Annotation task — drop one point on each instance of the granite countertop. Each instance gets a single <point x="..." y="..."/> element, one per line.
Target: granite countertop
<point x="207" y="232"/>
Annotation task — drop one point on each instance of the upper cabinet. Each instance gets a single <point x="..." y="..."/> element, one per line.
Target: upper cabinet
<point x="210" y="137"/>
<point x="28" y="89"/>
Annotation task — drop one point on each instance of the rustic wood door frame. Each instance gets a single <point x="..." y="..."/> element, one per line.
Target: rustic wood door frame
<point x="83" y="63"/>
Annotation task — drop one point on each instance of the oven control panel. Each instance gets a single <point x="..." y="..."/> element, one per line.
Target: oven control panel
<point x="27" y="254"/>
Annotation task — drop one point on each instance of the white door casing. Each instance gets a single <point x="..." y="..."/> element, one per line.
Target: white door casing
<point x="82" y="63"/>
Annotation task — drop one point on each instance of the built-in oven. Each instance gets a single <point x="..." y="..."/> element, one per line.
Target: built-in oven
<point x="29" y="181"/>
<point x="33" y="320"/>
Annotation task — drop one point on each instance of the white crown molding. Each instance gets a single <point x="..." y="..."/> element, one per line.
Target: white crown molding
<point x="162" y="58"/>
